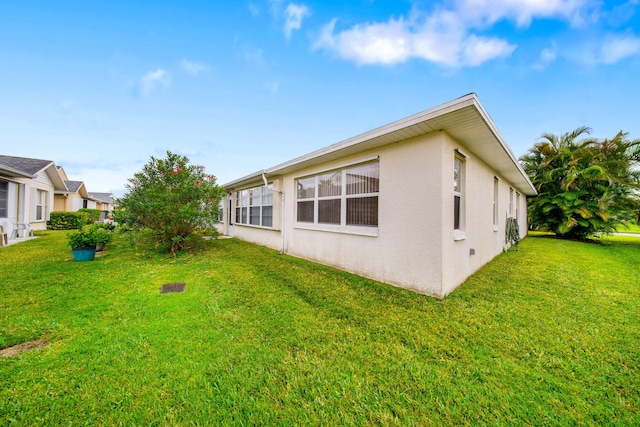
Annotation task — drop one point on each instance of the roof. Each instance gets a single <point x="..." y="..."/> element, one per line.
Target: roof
<point x="464" y="119"/>
<point x="24" y="167"/>
<point x="103" y="197"/>
<point x="74" y="187"/>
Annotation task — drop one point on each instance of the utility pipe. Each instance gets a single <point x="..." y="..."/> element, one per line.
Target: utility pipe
<point x="282" y="207"/>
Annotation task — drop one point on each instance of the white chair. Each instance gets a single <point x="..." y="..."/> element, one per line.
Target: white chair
<point x="4" y="239"/>
<point x="26" y="230"/>
<point x="8" y="228"/>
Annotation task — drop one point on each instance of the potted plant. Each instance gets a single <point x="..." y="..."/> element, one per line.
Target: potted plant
<point x="102" y="235"/>
<point x="83" y="242"/>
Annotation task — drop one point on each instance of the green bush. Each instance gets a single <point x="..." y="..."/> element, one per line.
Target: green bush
<point x="67" y="220"/>
<point x="93" y="214"/>
<point x="173" y="199"/>
<point x="121" y="216"/>
<point x="90" y="235"/>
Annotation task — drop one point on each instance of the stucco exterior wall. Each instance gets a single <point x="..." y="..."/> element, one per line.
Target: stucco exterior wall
<point x="260" y="236"/>
<point x="59" y="201"/>
<point x="415" y="245"/>
<point x="405" y="249"/>
<point x="24" y="199"/>
<point x="479" y="240"/>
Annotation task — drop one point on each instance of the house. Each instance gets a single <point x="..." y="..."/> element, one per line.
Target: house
<point x="27" y="187"/>
<point x="420" y="203"/>
<point x="76" y="196"/>
<point x="104" y="201"/>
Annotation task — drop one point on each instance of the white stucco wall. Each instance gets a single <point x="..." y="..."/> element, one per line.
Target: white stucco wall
<point x="261" y="236"/>
<point x="405" y="249"/>
<point x="414" y="245"/>
<point x="479" y="233"/>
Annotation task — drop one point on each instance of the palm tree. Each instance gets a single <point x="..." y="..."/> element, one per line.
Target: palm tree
<point x="584" y="185"/>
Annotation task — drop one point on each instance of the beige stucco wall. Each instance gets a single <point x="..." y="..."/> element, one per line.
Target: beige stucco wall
<point x="415" y="245"/>
<point x="26" y="202"/>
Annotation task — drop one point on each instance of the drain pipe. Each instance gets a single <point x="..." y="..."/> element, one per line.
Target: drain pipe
<point x="264" y="179"/>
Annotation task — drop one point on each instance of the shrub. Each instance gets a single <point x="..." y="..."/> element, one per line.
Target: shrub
<point x="93" y="215"/>
<point x="90" y="235"/>
<point x="67" y="220"/>
<point x="173" y="199"/>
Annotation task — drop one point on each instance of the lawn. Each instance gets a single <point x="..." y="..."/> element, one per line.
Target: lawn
<point x="549" y="335"/>
<point x="629" y="228"/>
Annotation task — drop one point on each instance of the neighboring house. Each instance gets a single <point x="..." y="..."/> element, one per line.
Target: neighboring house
<point x="421" y="203"/>
<point x="104" y="201"/>
<point x="74" y="197"/>
<point x="27" y="187"/>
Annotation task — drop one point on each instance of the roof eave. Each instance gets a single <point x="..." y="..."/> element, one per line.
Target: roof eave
<point x="416" y="125"/>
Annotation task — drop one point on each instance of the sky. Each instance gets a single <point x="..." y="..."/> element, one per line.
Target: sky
<point x="239" y="86"/>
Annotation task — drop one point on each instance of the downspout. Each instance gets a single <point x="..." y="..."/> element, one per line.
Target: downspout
<point x="264" y="179"/>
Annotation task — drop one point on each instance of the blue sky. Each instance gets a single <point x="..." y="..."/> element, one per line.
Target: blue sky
<point x="238" y="86"/>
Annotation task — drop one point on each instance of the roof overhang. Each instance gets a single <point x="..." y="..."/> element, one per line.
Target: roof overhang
<point x="464" y="119"/>
<point x="13" y="173"/>
<point x="55" y="177"/>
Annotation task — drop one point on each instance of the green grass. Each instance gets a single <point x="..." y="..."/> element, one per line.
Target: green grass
<point x="630" y="228"/>
<point x="549" y="335"/>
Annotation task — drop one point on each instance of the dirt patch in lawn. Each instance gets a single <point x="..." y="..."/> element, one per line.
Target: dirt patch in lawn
<point x="172" y="287"/>
<point x="21" y="348"/>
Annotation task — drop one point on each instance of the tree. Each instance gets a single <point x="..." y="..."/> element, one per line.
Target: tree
<point x="584" y="185"/>
<point x="172" y="199"/>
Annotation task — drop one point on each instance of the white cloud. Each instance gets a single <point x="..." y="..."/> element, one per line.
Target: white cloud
<point x="399" y="40"/>
<point x="193" y="68"/>
<point x="478" y="50"/>
<point x="522" y="12"/>
<point x="294" y="14"/>
<point x="445" y="35"/>
<point x="615" y="49"/>
<point x="254" y="55"/>
<point x="153" y="79"/>
<point x="547" y="56"/>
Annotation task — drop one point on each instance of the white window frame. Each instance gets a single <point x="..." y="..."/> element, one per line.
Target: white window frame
<point x="517" y="205"/>
<point x="40" y="206"/>
<point x="496" y="202"/>
<point x="459" y="168"/>
<point x="510" y="201"/>
<point x="4" y="199"/>
<point x="252" y="199"/>
<point x="316" y="199"/>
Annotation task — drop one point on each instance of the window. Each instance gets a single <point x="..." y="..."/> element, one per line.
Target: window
<point x="40" y="201"/>
<point x="517" y="205"/>
<point x="254" y="206"/>
<point x="345" y="197"/>
<point x="510" y="201"/>
<point x="220" y="215"/>
<point x="457" y="193"/>
<point x="495" y="200"/>
<point x="4" y="199"/>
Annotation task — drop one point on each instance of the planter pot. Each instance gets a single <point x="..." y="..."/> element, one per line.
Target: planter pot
<point x="84" y="254"/>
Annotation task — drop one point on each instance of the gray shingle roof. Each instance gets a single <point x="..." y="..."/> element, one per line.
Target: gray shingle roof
<point x="73" y="186"/>
<point x="23" y="165"/>
<point x="102" y="197"/>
